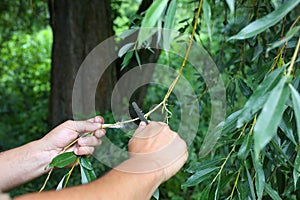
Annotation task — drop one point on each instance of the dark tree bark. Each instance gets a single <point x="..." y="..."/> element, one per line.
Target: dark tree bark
<point x="78" y="26"/>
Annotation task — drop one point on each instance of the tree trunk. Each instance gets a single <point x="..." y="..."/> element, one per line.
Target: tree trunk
<point x="78" y="26"/>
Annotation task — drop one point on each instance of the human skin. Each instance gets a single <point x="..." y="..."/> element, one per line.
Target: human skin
<point x="133" y="179"/>
<point x="27" y="162"/>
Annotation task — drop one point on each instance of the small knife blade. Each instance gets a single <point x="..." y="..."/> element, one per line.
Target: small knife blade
<point x="139" y="113"/>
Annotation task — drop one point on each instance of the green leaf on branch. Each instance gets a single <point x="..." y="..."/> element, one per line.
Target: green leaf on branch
<point x="259" y="180"/>
<point x="153" y="14"/>
<point x="296" y="169"/>
<point x="270" y="116"/>
<point x="245" y="89"/>
<point x="87" y="172"/>
<point x="207" y="16"/>
<point x="199" y="177"/>
<point x="63" y="160"/>
<point x="290" y="34"/>
<point x="296" y="106"/>
<point x="272" y="193"/>
<point x="168" y="25"/>
<point x="259" y="97"/>
<point x="85" y="162"/>
<point x="267" y="21"/>
<point x="127" y="59"/>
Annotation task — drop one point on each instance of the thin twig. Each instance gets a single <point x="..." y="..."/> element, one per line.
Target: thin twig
<point x="290" y="69"/>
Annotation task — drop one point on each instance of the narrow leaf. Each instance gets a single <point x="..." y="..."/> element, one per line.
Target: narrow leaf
<point x="270" y="117"/>
<point x="207" y="16"/>
<point x="124" y="49"/>
<point x="296" y="169"/>
<point x="63" y="160"/>
<point x="127" y="59"/>
<point x="230" y="4"/>
<point x="199" y="176"/>
<point x="267" y="21"/>
<point x="251" y="186"/>
<point x="85" y="162"/>
<point x="259" y="97"/>
<point x="168" y="25"/>
<point x="296" y="105"/>
<point x="87" y="175"/>
<point x="259" y="180"/>
<point x="138" y="58"/>
<point x="153" y="14"/>
<point x="290" y="34"/>
<point x="61" y="183"/>
<point x="273" y="194"/>
<point x="156" y="194"/>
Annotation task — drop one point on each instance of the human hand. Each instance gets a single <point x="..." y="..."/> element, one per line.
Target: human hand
<point x="58" y="138"/>
<point x="155" y="148"/>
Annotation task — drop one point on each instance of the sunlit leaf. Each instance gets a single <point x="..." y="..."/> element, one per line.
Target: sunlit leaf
<point x="138" y="59"/>
<point x="230" y="4"/>
<point x="270" y="116"/>
<point x="168" y="25"/>
<point x="258" y="98"/>
<point x="61" y="183"/>
<point x="85" y="162"/>
<point x="156" y="194"/>
<point x="153" y="14"/>
<point x="87" y="175"/>
<point x="125" y="49"/>
<point x="296" y="106"/>
<point x="199" y="176"/>
<point x="63" y="160"/>
<point x="267" y="21"/>
<point x="207" y="16"/>
<point x="273" y="194"/>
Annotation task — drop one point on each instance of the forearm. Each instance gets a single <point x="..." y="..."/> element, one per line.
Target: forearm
<point x="114" y="185"/>
<point x="21" y="165"/>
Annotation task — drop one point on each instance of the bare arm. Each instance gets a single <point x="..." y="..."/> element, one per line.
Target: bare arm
<point x="27" y="162"/>
<point x="136" y="178"/>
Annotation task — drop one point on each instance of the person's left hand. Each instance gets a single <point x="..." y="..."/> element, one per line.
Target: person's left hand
<point x="61" y="136"/>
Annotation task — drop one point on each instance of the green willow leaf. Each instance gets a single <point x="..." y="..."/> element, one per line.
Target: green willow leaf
<point x="245" y="148"/>
<point x="199" y="176"/>
<point x="63" y="160"/>
<point x="61" y="183"/>
<point x="296" y="169"/>
<point x="230" y="4"/>
<point x="267" y="21"/>
<point x="85" y="162"/>
<point x="259" y="97"/>
<point x="273" y="194"/>
<point x="290" y="34"/>
<point x="296" y="106"/>
<point x="245" y="89"/>
<point x="156" y="194"/>
<point x="207" y="17"/>
<point x="168" y="25"/>
<point x="153" y="14"/>
<point x="127" y="59"/>
<point x="87" y="175"/>
<point x="270" y="116"/>
<point x="259" y="180"/>
<point x="250" y="182"/>
<point x="124" y="49"/>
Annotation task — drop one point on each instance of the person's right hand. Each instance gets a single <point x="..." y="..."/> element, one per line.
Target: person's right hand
<point x="156" y="148"/>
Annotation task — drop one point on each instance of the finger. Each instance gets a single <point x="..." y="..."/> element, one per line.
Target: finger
<point x="86" y="126"/>
<point x="89" y="141"/>
<point x="99" y="133"/>
<point x="97" y="119"/>
<point x="84" y="150"/>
